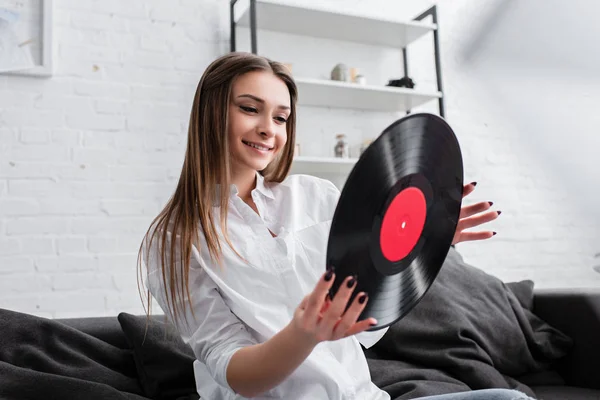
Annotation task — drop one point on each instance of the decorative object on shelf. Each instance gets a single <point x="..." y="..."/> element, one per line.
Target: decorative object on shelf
<point x="365" y="144"/>
<point x="340" y="72"/>
<point x="341" y="147"/>
<point x="297" y="150"/>
<point x="361" y="80"/>
<point x="403" y="82"/>
<point x="356" y="76"/>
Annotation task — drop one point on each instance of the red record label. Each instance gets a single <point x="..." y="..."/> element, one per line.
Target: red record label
<point x="403" y="224"/>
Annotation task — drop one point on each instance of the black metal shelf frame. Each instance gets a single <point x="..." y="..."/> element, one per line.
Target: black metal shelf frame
<point x="431" y="12"/>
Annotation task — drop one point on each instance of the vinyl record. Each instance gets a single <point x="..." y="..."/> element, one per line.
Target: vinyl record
<point x="397" y="214"/>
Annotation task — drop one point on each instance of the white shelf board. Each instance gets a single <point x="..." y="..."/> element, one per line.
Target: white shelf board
<point x="327" y="165"/>
<point x="329" y="93"/>
<point x="331" y="24"/>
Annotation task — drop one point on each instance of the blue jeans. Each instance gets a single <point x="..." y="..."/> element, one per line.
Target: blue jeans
<point x="486" y="394"/>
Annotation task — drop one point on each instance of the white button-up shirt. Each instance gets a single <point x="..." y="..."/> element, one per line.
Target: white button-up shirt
<point x="243" y="303"/>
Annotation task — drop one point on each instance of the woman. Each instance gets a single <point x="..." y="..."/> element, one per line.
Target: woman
<point x="235" y="259"/>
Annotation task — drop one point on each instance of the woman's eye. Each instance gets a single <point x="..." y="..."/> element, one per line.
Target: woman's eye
<point x="248" y="109"/>
<point x="281" y="119"/>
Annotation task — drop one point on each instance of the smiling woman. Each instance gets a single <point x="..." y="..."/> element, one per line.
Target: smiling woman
<point x="236" y="259"/>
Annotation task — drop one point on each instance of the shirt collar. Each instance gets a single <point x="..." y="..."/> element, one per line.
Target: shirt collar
<point x="262" y="187"/>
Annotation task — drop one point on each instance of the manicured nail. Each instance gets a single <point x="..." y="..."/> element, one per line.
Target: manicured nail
<point x="499" y="212"/>
<point x="495" y="233"/>
<point x="474" y="183"/>
<point x="373" y="323"/>
<point x="491" y="203"/>
<point x="362" y="298"/>
<point x="328" y="275"/>
<point x="351" y="282"/>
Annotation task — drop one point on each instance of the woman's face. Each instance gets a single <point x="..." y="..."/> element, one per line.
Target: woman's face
<point x="258" y="111"/>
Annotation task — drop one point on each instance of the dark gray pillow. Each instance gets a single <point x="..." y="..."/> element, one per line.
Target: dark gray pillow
<point x="471" y="329"/>
<point x="163" y="361"/>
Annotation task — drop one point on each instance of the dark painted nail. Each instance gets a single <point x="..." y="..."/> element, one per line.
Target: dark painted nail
<point x="495" y="233"/>
<point x="491" y="203"/>
<point x="328" y="275"/>
<point x="474" y="183"/>
<point x="362" y="298"/>
<point x="373" y="323"/>
<point x="351" y="282"/>
<point x="499" y="212"/>
<point x="330" y="268"/>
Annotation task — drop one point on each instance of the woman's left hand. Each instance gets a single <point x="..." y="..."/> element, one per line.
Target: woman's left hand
<point x="472" y="216"/>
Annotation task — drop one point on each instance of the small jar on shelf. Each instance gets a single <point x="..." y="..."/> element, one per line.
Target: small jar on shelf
<point x="341" y="147"/>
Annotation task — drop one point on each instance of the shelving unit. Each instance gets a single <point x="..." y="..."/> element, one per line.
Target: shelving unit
<point x="328" y="23"/>
<point x="328" y="93"/>
<point x="326" y="165"/>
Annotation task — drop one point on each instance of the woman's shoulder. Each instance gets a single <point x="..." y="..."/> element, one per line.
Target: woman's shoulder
<point x="307" y="183"/>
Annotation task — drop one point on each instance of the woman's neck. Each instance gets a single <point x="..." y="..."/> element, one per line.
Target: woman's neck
<point x="245" y="183"/>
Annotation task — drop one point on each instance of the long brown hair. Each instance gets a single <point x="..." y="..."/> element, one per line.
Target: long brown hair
<point x="205" y="177"/>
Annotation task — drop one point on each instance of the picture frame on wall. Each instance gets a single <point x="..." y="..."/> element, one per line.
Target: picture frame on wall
<point x="26" y="37"/>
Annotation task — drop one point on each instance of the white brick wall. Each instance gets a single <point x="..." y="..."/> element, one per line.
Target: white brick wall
<point x="88" y="157"/>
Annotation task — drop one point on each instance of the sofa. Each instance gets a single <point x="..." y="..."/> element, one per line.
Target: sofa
<point x="552" y="351"/>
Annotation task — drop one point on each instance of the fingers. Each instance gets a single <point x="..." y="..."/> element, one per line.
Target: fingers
<point x="477" y="220"/>
<point x="477" y="208"/>
<point x="314" y="303"/>
<point x="338" y="305"/>
<point x="473" y="236"/>
<point x="348" y="321"/>
<point x="360" y="326"/>
<point x="469" y="188"/>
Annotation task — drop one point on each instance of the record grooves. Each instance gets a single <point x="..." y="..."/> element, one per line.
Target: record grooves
<point x="397" y="214"/>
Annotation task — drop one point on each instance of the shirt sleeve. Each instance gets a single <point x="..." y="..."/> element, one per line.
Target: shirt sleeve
<point x="367" y="339"/>
<point x="215" y="333"/>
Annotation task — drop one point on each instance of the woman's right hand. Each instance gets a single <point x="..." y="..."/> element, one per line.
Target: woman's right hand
<point x="320" y="319"/>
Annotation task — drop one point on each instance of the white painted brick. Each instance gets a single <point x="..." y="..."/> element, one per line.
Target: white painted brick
<point x="100" y="22"/>
<point x="94" y="156"/>
<point x="46" y="264"/>
<point x="10" y="247"/>
<point x="77" y="263"/>
<point x="103" y="244"/>
<point x="32" y="188"/>
<point x="69" y="207"/>
<point x="96" y="90"/>
<point x="33" y="135"/>
<point x="43" y="119"/>
<point x="39" y="152"/>
<point x="25" y="303"/>
<point x="18" y="264"/>
<point x="123" y="207"/>
<point x="137" y="174"/>
<point x="126" y="281"/>
<point x="131" y="8"/>
<point x="8" y="136"/>
<point x="78" y="280"/>
<point x="67" y="137"/>
<point x="36" y="226"/>
<point x="14" y="99"/>
<point x="104" y="106"/>
<point x="71" y="302"/>
<point x="19" y="207"/>
<point x="117" y="262"/>
<point x="149" y="59"/>
<point x="95" y="121"/>
<point x="157" y="94"/>
<point x="107" y="225"/>
<point x="70" y="245"/>
<point x="103" y="55"/>
<point x="24" y="283"/>
<point x="69" y="103"/>
<point x="56" y="85"/>
<point x="103" y="140"/>
<point x="39" y="245"/>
